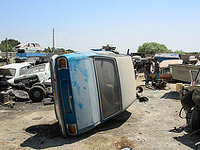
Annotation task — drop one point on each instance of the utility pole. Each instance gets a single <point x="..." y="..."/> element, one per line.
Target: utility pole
<point x="6" y="51"/>
<point x="53" y="48"/>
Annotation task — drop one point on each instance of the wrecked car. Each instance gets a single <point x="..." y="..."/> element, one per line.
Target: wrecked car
<point x="166" y="69"/>
<point x="9" y="72"/>
<point x="35" y="60"/>
<point x="7" y="75"/>
<point x="190" y="100"/>
<point x="90" y="88"/>
<point x="36" y="82"/>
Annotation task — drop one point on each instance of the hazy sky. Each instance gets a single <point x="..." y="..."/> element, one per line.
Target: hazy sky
<point x="86" y="24"/>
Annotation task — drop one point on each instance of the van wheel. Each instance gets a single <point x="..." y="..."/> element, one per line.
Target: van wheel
<point x="37" y="93"/>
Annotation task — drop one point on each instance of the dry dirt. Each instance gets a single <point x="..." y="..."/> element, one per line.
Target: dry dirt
<point x="154" y="125"/>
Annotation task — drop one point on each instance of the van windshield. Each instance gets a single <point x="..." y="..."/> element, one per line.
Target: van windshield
<point x="7" y="72"/>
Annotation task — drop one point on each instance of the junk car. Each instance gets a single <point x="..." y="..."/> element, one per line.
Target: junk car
<point x="7" y="75"/>
<point x="166" y="68"/>
<point x="90" y="88"/>
<point x="29" y="47"/>
<point x="35" y="82"/>
<point x="35" y="60"/>
<point x="190" y="100"/>
<point x="8" y="72"/>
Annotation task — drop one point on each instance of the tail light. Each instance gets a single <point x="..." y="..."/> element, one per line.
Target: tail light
<point x="62" y="63"/>
<point x="72" y="128"/>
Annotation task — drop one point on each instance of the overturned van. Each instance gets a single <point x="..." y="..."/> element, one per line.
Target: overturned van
<point x="90" y="88"/>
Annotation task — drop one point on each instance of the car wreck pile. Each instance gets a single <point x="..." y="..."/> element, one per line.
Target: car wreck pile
<point x="25" y="81"/>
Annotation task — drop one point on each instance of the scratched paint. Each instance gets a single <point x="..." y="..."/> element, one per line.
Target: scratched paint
<point x="80" y="105"/>
<point x="85" y="101"/>
<point x="79" y="55"/>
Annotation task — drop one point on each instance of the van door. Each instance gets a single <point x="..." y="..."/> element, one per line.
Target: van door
<point x="108" y="86"/>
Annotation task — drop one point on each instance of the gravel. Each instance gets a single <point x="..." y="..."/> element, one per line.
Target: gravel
<point x="154" y="125"/>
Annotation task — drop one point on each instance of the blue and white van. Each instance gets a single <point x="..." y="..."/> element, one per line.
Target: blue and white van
<point x="90" y="88"/>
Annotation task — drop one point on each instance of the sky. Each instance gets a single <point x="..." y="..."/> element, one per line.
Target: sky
<point x="86" y="24"/>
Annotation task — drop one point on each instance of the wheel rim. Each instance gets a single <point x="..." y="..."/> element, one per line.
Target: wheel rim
<point x="36" y="94"/>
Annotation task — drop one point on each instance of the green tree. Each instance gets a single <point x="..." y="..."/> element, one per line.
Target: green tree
<point x="48" y="50"/>
<point x="11" y="44"/>
<point x="179" y="52"/>
<point x="153" y="48"/>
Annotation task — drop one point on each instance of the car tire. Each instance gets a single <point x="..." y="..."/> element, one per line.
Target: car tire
<point x="37" y="93"/>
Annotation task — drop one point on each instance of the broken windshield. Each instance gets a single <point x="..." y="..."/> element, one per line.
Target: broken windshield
<point x="7" y="72"/>
<point x="36" y="69"/>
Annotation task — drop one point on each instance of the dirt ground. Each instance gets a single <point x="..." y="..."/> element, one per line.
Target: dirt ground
<point x="154" y="125"/>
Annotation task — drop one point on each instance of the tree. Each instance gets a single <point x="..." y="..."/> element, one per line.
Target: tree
<point x="11" y="44"/>
<point x="179" y="52"/>
<point x="153" y="48"/>
<point x="48" y="50"/>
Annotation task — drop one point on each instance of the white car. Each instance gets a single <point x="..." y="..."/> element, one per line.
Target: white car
<point x="11" y="71"/>
<point x="42" y="71"/>
<point x="36" y="82"/>
<point x="30" y="47"/>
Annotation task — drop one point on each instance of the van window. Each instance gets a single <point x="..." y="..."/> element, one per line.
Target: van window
<point x="109" y="86"/>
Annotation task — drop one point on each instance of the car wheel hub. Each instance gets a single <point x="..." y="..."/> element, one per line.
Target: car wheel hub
<point x="36" y="94"/>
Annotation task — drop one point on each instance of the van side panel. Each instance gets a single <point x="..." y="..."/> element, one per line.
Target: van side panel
<point x="84" y="91"/>
<point x="127" y="80"/>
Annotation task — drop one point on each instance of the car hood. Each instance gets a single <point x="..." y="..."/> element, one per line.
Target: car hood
<point x="20" y="78"/>
<point x="39" y="75"/>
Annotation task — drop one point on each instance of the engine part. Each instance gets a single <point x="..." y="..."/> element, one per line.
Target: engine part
<point x="159" y="84"/>
<point x="195" y="120"/>
<point x="186" y="100"/>
<point x="196" y="97"/>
